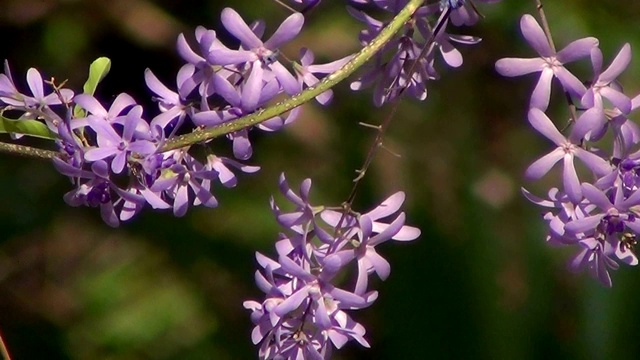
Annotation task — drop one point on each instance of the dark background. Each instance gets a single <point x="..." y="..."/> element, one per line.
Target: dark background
<point x="479" y="283"/>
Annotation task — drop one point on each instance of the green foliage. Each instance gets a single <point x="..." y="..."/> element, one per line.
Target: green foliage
<point x="32" y="128"/>
<point x="97" y="72"/>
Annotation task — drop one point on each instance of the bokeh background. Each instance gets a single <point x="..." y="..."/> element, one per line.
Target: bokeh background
<point x="480" y="282"/>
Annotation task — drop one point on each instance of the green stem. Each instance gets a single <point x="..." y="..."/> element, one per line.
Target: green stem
<point x="27" y="151"/>
<point x="296" y="100"/>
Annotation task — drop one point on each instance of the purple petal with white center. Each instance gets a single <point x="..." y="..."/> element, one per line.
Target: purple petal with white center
<point x="181" y="201"/>
<point x="105" y="134"/>
<point x="159" y="88"/>
<point x="99" y="153"/>
<point x="234" y="23"/>
<point x="541" y="122"/>
<point x="143" y="147"/>
<point x="379" y="264"/>
<point x="594" y="162"/>
<point x="537" y="200"/>
<point x="618" y="65"/>
<point x="121" y="102"/>
<point x="285" y="189"/>
<point x="242" y="146"/>
<point x="362" y="279"/>
<point x="203" y="196"/>
<point x="101" y="169"/>
<point x="570" y="83"/>
<point x="535" y="36"/>
<point x="596" y="61"/>
<point x="542" y="166"/>
<point x="292" y="302"/>
<point x="391" y="230"/>
<point x="583" y="225"/>
<point x="226" y="90"/>
<point x="109" y="215"/>
<point x="252" y="88"/>
<point x="119" y="161"/>
<point x="542" y="92"/>
<point x="451" y="55"/>
<point x="617" y="98"/>
<point x="349" y="299"/>
<point x="294" y="269"/>
<point x="389" y="206"/>
<point x="577" y="49"/>
<point x="266" y="262"/>
<point x="289" y="29"/>
<point x="185" y="51"/>
<point x="406" y="233"/>
<point x="334" y="262"/>
<point x="223" y="56"/>
<point x="286" y="80"/>
<point x="631" y="201"/>
<point x="516" y="66"/>
<point x="262" y="283"/>
<point x="596" y="196"/>
<point x="590" y="120"/>
<point x="366" y="225"/>
<point x="570" y="180"/>
<point x="154" y="200"/>
<point x="90" y="104"/>
<point x="34" y="80"/>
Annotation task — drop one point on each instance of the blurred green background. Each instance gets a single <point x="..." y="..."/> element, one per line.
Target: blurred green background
<point x="480" y="282"/>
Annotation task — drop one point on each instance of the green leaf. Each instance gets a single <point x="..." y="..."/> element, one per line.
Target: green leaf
<point x="33" y="128"/>
<point x="97" y="71"/>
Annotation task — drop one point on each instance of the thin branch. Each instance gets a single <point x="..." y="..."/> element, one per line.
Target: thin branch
<point x="377" y="142"/>
<point x="545" y="24"/>
<point x="27" y="151"/>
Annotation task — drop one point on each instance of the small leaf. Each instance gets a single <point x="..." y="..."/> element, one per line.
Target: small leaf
<point x="97" y="71"/>
<point x="32" y="128"/>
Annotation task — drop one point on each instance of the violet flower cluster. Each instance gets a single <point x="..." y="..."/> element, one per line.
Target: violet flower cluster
<point x="305" y="314"/>
<point x="595" y="211"/>
<point x="407" y="62"/>
<point x="112" y="150"/>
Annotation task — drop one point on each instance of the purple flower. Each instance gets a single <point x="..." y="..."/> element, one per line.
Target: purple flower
<point x="567" y="149"/>
<point x="305" y="313"/>
<point x="110" y="143"/>
<point x="549" y="64"/>
<point x="95" y="189"/>
<point x="171" y="104"/>
<point x="307" y="72"/>
<point x="184" y="178"/>
<point x="256" y="54"/>
<point x="97" y="111"/>
<point x="604" y="84"/>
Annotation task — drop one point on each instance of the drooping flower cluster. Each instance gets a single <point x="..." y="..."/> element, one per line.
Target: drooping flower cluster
<point x="598" y="214"/>
<point x="305" y="315"/>
<point x="407" y="62"/>
<point x="113" y="152"/>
